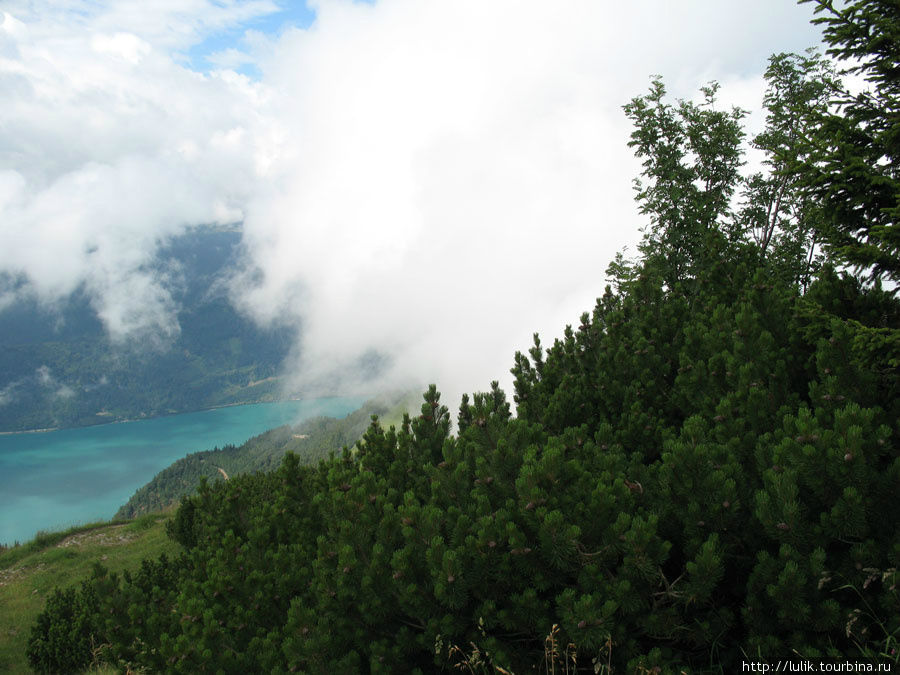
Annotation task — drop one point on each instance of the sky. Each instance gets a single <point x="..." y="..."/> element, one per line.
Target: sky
<point x="432" y="181"/>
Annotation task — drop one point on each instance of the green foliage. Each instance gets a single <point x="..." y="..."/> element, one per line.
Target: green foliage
<point x="850" y="161"/>
<point x="781" y="219"/>
<point x="691" y="159"/>
<point x="705" y="467"/>
<point x="30" y="572"/>
<point x="64" y="636"/>
<point x="735" y="497"/>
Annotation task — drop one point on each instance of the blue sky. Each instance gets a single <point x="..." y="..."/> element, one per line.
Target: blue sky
<point x="289" y="15"/>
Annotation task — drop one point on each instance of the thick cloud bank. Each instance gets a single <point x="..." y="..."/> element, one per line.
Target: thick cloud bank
<point x="426" y="181"/>
<point x="108" y="147"/>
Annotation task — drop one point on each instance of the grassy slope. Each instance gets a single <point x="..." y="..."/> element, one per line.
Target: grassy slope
<point x="29" y="573"/>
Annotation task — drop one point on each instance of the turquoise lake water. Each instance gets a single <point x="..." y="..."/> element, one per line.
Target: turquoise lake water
<point x="53" y="480"/>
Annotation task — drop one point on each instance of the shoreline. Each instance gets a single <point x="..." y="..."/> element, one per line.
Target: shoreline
<point x="167" y="414"/>
<point x="34" y="431"/>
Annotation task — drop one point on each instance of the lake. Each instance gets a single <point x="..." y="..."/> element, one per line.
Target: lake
<point x="55" y="479"/>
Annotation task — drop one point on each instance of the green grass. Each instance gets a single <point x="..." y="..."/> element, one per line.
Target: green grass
<point x="30" y="572"/>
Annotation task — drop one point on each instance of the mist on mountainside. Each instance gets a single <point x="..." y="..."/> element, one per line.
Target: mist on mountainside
<point x="59" y="367"/>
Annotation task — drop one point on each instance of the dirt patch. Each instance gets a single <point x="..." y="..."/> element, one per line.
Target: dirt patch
<point x="10" y="574"/>
<point x="110" y="536"/>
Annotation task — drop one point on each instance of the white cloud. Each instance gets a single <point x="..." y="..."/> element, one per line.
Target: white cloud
<point x="47" y="380"/>
<point x="110" y="147"/>
<point x="457" y="174"/>
<point x="45" y="377"/>
<point x="123" y="45"/>
<point x="434" y="181"/>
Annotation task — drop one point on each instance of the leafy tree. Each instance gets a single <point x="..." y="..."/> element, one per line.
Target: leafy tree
<point x="781" y="219"/>
<point x="691" y="162"/>
<point x="850" y="160"/>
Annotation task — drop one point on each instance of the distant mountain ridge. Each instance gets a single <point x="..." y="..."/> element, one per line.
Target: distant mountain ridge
<point x="59" y="369"/>
<point x="311" y="440"/>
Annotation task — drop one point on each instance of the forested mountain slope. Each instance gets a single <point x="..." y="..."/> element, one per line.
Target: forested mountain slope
<point x="702" y="472"/>
<point x="58" y="367"/>
<point x="311" y="440"/>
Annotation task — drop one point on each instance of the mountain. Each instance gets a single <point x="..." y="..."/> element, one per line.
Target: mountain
<point x="58" y="367"/>
<point x="311" y="440"/>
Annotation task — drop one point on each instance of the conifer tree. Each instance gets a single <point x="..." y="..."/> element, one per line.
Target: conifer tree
<point x="851" y="159"/>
